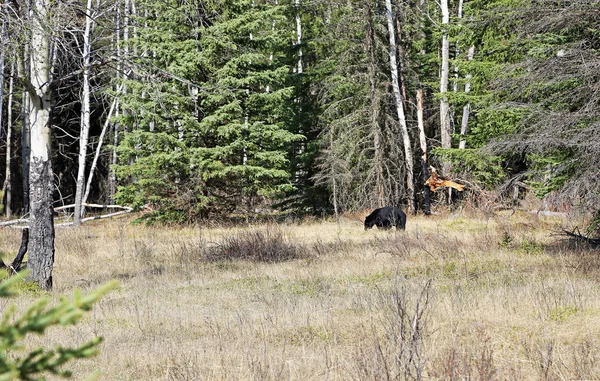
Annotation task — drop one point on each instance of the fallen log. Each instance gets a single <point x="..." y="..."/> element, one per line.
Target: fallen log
<point x="25" y="221"/>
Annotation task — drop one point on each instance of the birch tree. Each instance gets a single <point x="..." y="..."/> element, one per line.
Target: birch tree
<point x="85" y="113"/>
<point x="41" y="242"/>
<point x="408" y="155"/>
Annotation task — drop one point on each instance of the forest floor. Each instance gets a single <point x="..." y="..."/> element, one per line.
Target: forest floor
<point x="453" y="297"/>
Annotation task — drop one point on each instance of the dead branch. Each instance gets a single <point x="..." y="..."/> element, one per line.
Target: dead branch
<point x="434" y="182"/>
<point x="18" y="261"/>
<point x="110" y="215"/>
<point x="124" y="209"/>
<point x="14" y="222"/>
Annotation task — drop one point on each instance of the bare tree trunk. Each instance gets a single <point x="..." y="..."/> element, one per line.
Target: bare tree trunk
<point x="41" y="249"/>
<point x="424" y="161"/>
<point x="7" y="187"/>
<point x="408" y="155"/>
<point x="85" y="115"/>
<point x="444" y="106"/>
<point x="98" y="151"/>
<point x="370" y="42"/>
<point x="464" y="124"/>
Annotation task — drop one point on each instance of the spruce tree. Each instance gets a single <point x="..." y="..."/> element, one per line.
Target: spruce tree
<point x="207" y="117"/>
<point x="242" y="160"/>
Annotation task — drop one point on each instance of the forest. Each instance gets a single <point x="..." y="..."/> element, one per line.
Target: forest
<point x="189" y="109"/>
<point x="250" y="138"/>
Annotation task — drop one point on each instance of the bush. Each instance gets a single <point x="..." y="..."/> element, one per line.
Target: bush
<point x="34" y="365"/>
<point x="264" y="245"/>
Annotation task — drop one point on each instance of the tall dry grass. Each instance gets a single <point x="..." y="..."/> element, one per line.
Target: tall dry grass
<point x="451" y="298"/>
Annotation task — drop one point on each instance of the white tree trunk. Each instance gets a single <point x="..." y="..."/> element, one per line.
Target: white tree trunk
<point x="85" y="115"/>
<point x="408" y="155"/>
<point x="88" y="185"/>
<point x="41" y="242"/>
<point x="444" y="106"/>
<point x="464" y="124"/>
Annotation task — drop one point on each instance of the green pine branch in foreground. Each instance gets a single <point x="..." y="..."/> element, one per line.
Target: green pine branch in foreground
<point x="17" y="363"/>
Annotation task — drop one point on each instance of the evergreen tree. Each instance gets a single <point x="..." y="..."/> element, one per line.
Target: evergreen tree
<point x="533" y="96"/>
<point x="242" y="156"/>
<point x="161" y="117"/>
<point x="207" y="119"/>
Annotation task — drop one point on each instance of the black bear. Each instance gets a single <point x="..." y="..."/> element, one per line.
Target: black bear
<point x="385" y="218"/>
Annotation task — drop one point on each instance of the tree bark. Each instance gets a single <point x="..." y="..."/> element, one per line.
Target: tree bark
<point x="85" y="115"/>
<point x="41" y="249"/>
<point x="408" y="155"/>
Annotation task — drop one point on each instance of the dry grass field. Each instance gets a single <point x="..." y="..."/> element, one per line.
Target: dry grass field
<point x="454" y="297"/>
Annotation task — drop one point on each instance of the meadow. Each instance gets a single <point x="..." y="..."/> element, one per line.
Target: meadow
<point x="457" y="296"/>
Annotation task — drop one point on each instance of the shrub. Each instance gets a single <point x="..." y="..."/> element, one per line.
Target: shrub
<point x="261" y="245"/>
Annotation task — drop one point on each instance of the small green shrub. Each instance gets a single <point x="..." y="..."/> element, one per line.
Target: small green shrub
<point x="562" y="313"/>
